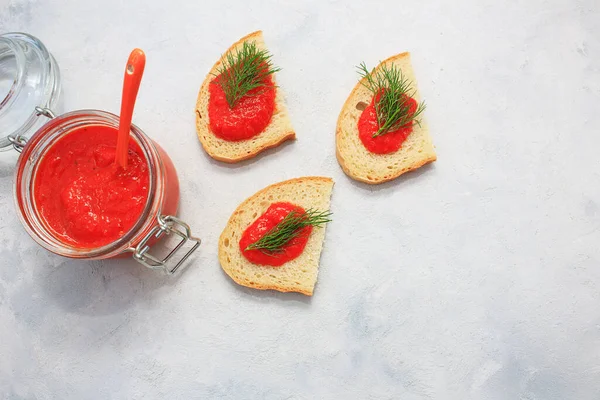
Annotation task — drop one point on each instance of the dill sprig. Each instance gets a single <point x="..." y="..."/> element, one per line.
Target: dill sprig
<point x="288" y="229"/>
<point x="244" y="70"/>
<point x="392" y="89"/>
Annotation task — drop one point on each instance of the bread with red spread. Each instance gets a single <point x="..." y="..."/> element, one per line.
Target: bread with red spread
<point x="365" y="166"/>
<point x="277" y="131"/>
<point x="297" y="275"/>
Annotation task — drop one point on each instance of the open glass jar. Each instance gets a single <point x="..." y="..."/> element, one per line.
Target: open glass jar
<point x="158" y="216"/>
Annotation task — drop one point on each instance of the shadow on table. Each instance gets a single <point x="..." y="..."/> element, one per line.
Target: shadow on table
<point x="264" y="296"/>
<point x="402" y="180"/>
<point x="102" y="287"/>
<point x="266" y="153"/>
<point x="8" y="163"/>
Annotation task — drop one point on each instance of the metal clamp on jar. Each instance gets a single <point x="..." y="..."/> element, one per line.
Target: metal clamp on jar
<point x="30" y="78"/>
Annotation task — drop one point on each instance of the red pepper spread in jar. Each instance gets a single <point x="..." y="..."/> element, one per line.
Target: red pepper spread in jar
<point x="85" y="199"/>
<point x="273" y="216"/>
<point x="250" y="115"/>
<point x="389" y="142"/>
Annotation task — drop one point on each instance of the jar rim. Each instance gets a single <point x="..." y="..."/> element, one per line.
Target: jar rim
<point x="9" y="98"/>
<point x="33" y="154"/>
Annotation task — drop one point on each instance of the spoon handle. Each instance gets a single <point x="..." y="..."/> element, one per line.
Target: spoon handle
<point x="131" y="84"/>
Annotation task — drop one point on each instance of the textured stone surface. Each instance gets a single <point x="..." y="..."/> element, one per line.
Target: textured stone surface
<point x="475" y="278"/>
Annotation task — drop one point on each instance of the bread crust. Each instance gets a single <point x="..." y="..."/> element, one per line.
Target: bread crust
<point x="231" y="223"/>
<point x="348" y="105"/>
<point x="203" y="126"/>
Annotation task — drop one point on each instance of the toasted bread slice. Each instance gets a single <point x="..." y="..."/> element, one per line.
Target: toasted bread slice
<point x="297" y="275"/>
<point x="362" y="165"/>
<point x="279" y="129"/>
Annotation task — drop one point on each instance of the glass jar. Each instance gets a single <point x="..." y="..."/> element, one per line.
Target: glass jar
<point x="29" y="78"/>
<point x="26" y="109"/>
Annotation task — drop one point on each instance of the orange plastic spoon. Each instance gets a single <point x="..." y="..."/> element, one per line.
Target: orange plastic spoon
<point x="131" y="84"/>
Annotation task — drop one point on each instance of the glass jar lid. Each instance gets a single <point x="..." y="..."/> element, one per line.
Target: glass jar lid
<point x="29" y="78"/>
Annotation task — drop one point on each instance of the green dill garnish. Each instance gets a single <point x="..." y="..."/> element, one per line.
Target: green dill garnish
<point x="244" y="70"/>
<point x="392" y="109"/>
<point x="289" y="228"/>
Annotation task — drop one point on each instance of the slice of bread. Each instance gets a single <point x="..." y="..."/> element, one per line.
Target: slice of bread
<point x="279" y="129"/>
<point x="362" y="165"/>
<point x="297" y="275"/>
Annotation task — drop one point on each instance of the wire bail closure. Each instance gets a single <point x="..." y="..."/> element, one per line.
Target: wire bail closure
<point x="46" y="112"/>
<point x="18" y="142"/>
<point x="167" y="225"/>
